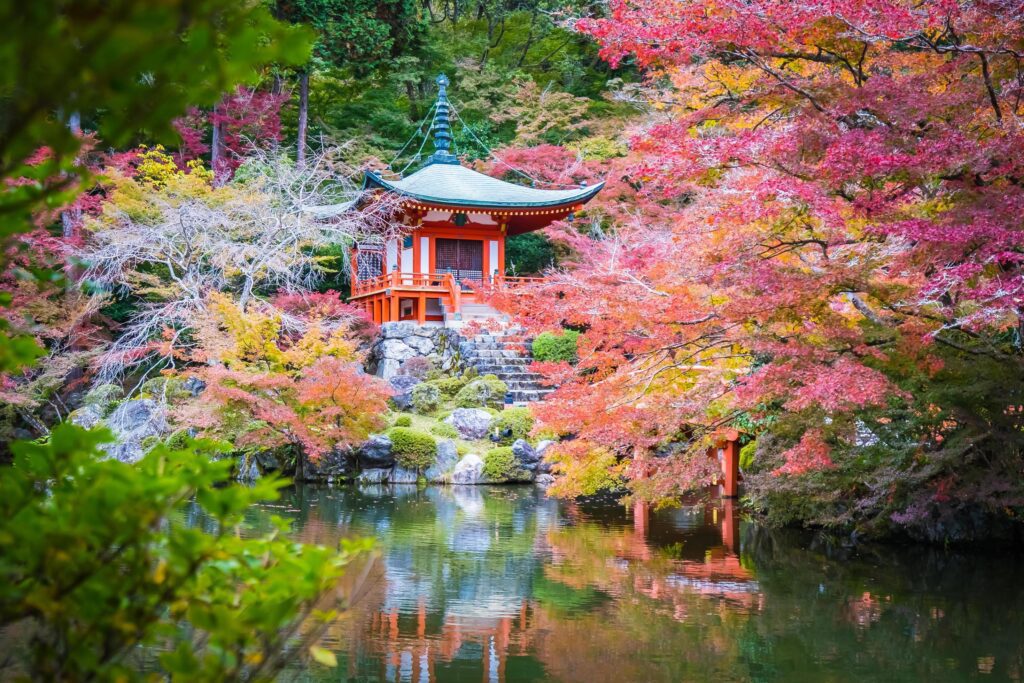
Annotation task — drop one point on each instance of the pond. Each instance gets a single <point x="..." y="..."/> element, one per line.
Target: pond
<point x="505" y="584"/>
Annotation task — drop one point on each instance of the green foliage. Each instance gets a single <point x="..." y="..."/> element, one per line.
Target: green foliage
<point x="403" y="421"/>
<point x="486" y="391"/>
<point x="528" y="254"/>
<point x="425" y="398"/>
<point x="500" y="464"/>
<point x="99" y="560"/>
<point x="444" y="431"/>
<point x="414" y="450"/>
<point x="549" y="346"/>
<point x="104" y="62"/>
<point x="449" y="386"/>
<point x="747" y="455"/>
<point x="512" y="424"/>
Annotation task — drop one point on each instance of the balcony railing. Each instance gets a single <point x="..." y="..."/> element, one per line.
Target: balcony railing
<point x="439" y="282"/>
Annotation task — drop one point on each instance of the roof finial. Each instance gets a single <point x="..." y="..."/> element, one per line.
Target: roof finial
<point x="442" y="126"/>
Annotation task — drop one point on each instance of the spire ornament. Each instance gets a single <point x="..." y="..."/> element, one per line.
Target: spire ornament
<point x="441" y="128"/>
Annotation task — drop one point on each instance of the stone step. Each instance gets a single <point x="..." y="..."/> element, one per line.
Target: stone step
<point x="496" y="353"/>
<point x="529" y="396"/>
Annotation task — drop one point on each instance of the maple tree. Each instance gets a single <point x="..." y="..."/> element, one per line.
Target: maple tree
<point x="287" y="375"/>
<point x="825" y="232"/>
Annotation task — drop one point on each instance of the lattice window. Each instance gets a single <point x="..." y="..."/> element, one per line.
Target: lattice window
<point x="369" y="264"/>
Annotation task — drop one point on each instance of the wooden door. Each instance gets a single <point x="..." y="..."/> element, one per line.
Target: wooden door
<point x="462" y="258"/>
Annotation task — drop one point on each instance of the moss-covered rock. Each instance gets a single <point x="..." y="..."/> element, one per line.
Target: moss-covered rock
<point x="425" y="398"/>
<point x="485" y="392"/>
<point x="501" y="465"/>
<point x="165" y="388"/>
<point x="512" y="424"/>
<point x="413" y="449"/>
<point x="403" y="421"/>
<point x="103" y="395"/>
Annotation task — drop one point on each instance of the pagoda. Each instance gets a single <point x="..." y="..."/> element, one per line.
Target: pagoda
<point x="457" y="220"/>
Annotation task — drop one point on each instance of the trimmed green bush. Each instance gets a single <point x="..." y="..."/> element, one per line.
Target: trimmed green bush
<point x="512" y="424"/>
<point x="425" y="398"/>
<point x="449" y="386"/>
<point x="445" y="431"/>
<point x="549" y="346"/>
<point x="414" y="450"/>
<point x="403" y="421"/>
<point x="487" y="391"/>
<point x="500" y="464"/>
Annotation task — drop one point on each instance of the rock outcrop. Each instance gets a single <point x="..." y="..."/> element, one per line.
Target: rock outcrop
<point x="470" y="423"/>
<point x="400" y="341"/>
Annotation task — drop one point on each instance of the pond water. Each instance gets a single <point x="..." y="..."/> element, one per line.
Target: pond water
<point x="504" y="584"/>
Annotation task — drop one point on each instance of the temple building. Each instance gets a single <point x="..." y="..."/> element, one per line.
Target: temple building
<point x="457" y="222"/>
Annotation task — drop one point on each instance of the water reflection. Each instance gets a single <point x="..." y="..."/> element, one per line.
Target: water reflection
<point x="503" y="584"/>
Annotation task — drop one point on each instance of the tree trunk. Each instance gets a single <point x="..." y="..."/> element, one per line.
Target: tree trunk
<point x="300" y="156"/>
<point x="215" y="153"/>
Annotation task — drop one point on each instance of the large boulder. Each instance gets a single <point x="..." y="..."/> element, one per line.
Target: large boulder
<point x="397" y="330"/>
<point x="374" y="476"/>
<point x="543" y="466"/>
<point x="423" y="345"/>
<point x="469" y="470"/>
<point x="403" y="386"/>
<point x="388" y="368"/>
<point x="444" y="463"/>
<point x="337" y="465"/>
<point x="395" y="349"/>
<point x="526" y="457"/>
<point x="132" y="422"/>
<point x="375" y="452"/>
<point x="86" y="417"/>
<point x="400" y="475"/>
<point x="470" y="423"/>
<point x="544" y="480"/>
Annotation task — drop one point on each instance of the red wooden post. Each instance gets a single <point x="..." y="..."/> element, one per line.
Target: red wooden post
<point x="421" y="309"/>
<point x="731" y="468"/>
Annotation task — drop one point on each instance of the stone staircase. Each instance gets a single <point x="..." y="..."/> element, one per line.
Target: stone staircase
<point x="471" y="312"/>
<point x="506" y="354"/>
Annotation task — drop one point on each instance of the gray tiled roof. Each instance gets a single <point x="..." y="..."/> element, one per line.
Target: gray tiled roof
<point x="456" y="185"/>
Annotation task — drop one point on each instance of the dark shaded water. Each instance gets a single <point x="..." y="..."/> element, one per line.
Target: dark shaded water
<point x="503" y="584"/>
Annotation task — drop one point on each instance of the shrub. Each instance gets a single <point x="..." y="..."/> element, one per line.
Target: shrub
<point x="425" y="398"/>
<point x="402" y="421"/>
<point x="445" y="431"/>
<point x="414" y="450"/>
<point x="512" y="424"/>
<point x="552" y="347"/>
<point x="500" y="464"/>
<point x="487" y="391"/>
<point x="449" y="386"/>
<point x="417" y="367"/>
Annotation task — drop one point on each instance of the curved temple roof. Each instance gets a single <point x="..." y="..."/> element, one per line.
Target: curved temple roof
<point x="454" y="185"/>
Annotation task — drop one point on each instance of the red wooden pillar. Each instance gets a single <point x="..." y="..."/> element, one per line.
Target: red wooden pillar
<point x="393" y="304"/>
<point x="731" y="468"/>
<point x="421" y="309"/>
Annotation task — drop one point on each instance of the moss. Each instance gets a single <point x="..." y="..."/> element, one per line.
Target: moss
<point x="103" y="395"/>
<point x="445" y="431"/>
<point x="487" y="391"/>
<point x="178" y="439"/>
<point x="500" y="464"/>
<point x="402" y="421"/>
<point x="148" y="442"/>
<point x="413" y="449"/>
<point x="449" y="386"/>
<point x="425" y="398"/>
<point x="171" y="388"/>
<point x="552" y="347"/>
<point x="512" y="424"/>
<point x="462" y="449"/>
